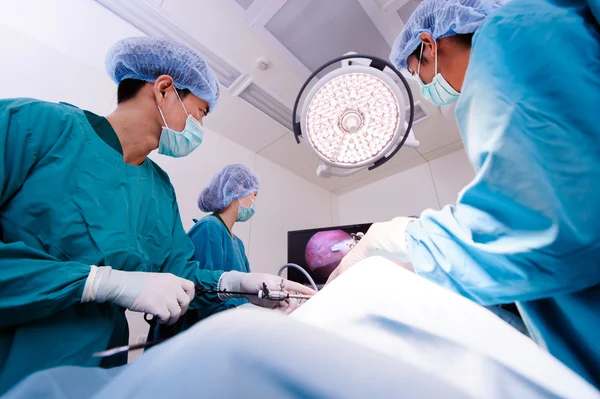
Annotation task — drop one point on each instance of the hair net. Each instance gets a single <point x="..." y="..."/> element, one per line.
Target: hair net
<point x="147" y="58"/>
<point x="231" y="183"/>
<point x="441" y="18"/>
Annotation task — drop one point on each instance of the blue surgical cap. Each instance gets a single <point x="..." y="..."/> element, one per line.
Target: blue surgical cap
<point x="147" y="58"/>
<point x="233" y="182"/>
<point x="441" y="18"/>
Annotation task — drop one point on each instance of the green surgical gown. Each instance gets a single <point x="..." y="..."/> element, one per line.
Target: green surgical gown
<point x="215" y="249"/>
<point x="527" y="228"/>
<point x="68" y="201"/>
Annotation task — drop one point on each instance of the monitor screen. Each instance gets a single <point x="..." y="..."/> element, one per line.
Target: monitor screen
<point x="319" y="251"/>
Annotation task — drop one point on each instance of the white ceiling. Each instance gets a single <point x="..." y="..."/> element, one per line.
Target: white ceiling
<point x="296" y="36"/>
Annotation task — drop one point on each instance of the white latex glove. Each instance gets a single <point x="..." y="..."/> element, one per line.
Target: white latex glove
<point x="383" y="239"/>
<point x="163" y="295"/>
<point x="253" y="282"/>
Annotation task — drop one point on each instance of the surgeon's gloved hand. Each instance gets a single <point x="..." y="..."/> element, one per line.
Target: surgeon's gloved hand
<point x="383" y="239"/>
<point x="251" y="283"/>
<point x="163" y="295"/>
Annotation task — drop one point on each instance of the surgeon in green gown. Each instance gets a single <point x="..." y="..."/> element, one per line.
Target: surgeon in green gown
<point x="89" y="226"/>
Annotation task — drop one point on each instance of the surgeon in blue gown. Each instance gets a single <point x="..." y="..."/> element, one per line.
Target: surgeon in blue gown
<point x="526" y="75"/>
<point x="229" y="197"/>
<point x="89" y="225"/>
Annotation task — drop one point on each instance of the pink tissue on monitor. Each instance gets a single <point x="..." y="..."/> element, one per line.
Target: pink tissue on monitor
<point x="320" y="257"/>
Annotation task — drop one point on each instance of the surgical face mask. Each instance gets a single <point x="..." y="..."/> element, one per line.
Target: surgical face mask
<point x="439" y="92"/>
<point x="245" y="213"/>
<point x="179" y="144"/>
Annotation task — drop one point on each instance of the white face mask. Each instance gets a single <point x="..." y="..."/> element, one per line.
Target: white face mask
<point x="439" y="92"/>
<point x="179" y="144"/>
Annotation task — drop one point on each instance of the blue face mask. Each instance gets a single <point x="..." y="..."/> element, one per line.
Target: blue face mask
<point x="438" y="92"/>
<point x="245" y="213"/>
<point x="179" y="144"/>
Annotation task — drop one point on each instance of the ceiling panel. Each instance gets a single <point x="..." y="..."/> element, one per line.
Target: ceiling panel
<point x="368" y="176"/>
<point x="299" y="159"/>
<point x="440" y="152"/>
<point x="380" y="174"/>
<point x="405" y="11"/>
<point x="264" y="101"/>
<point x="296" y="158"/>
<point x="237" y="120"/>
<point x="245" y="4"/>
<point x="436" y="132"/>
<point x="315" y="31"/>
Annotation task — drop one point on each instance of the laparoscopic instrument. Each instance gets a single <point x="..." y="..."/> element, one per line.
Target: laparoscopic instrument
<point x="264" y="293"/>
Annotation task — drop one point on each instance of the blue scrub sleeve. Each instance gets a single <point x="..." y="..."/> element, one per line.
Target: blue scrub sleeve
<point x="527" y="226"/>
<point x="33" y="284"/>
<point x="180" y="263"/>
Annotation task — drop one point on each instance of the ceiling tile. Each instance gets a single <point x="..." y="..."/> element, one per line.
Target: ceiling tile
<point x="239" y="121"/>
<point x="367" y="176"/>
<point x="299" y="159"/>
<point x="405" y="11"/>
<point x="245" y="4"/>
<point x="315" y="31"/>
<point x="296" y="158"/>
<point x="435" y="132"/>
<point x="380" y="174"/>
<point x="440" y="152"/>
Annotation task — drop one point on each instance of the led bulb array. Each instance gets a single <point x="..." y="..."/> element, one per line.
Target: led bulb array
<point x="352" y="118"/>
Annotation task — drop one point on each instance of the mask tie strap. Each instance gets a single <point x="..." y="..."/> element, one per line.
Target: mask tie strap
<point x="435" y="56"/>
<point x="163" y="117"/>
<point x="420" y="58"/>
<point x="181" y="102"/>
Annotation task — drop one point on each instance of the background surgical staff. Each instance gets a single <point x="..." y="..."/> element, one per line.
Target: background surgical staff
<point x="229" y="196"/>
<point x="90" y="226"/>
<point x="526" y="228"/>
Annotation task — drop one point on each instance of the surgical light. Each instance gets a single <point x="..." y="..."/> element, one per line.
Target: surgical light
<point x="354" y="117"/>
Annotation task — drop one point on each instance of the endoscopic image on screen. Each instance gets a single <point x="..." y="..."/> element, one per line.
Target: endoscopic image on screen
<point x="320" y="251"/>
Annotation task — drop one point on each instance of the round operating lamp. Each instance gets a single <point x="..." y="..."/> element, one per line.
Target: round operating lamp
<point x="354" y="117"/>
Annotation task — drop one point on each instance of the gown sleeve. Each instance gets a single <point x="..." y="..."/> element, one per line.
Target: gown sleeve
<point x="33" y="284"/>
<point x="180" y="262"/>
<point x="209" y="252"/>
<point x="527" y="227"/>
